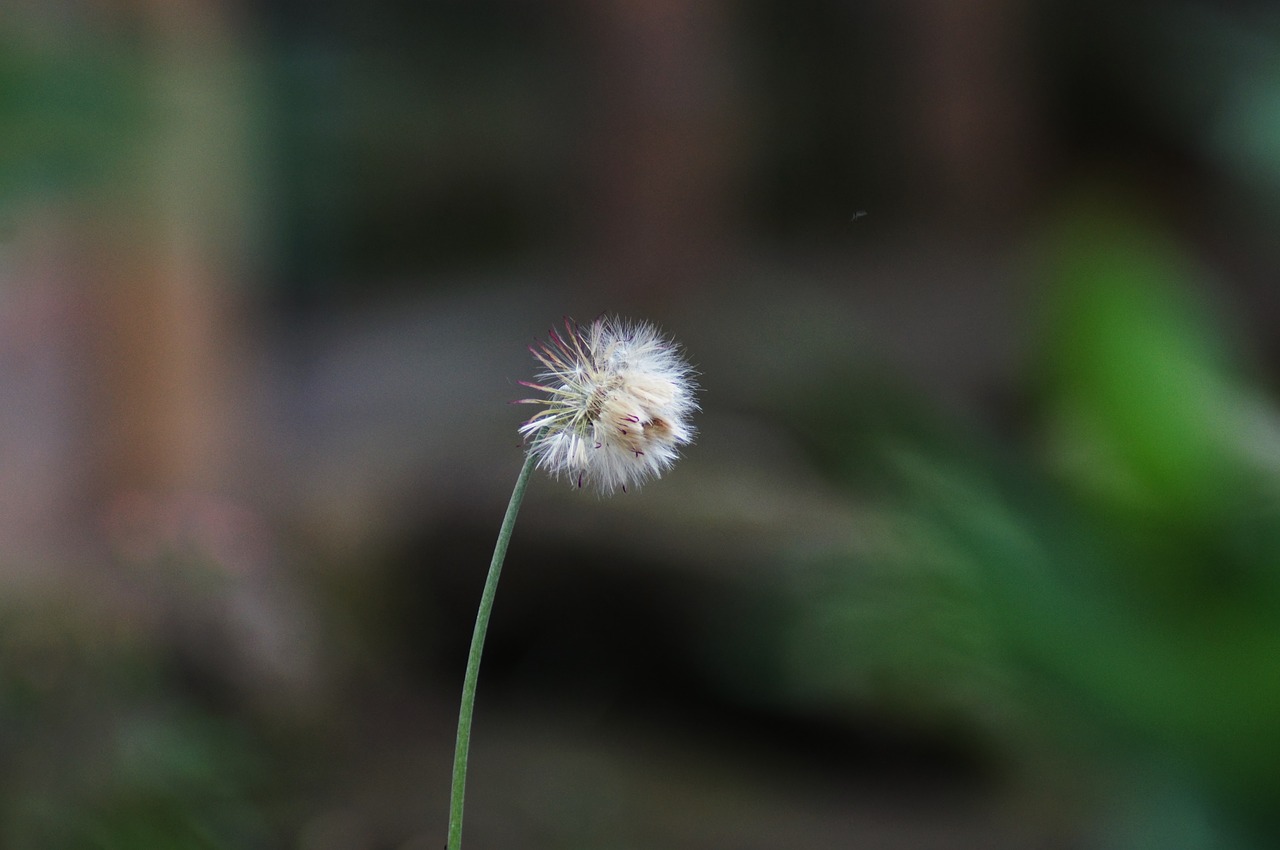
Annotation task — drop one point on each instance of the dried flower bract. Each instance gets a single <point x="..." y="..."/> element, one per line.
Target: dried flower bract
<point x="619" y="398"/>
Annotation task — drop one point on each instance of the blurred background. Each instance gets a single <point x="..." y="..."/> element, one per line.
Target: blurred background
<point x="980" y="543"/>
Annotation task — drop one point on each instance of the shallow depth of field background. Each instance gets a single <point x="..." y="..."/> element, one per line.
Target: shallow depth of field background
<point x="980" y="543"/>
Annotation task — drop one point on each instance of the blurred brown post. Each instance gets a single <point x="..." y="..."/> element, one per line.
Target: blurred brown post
<point x="970" y="103"/>
<point x="168" y="299"/>
<point x="663" y="141"/>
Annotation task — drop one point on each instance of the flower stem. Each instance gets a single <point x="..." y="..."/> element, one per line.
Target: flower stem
<point x="473" y="659"/>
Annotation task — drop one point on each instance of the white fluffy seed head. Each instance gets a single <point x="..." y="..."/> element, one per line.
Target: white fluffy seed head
<point x="618" y="401"/>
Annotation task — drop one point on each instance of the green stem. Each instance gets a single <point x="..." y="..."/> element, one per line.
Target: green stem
<point x="473" y="659"/>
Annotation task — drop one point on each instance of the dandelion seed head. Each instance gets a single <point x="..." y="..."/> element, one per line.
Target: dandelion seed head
<point x="618" y="398"/>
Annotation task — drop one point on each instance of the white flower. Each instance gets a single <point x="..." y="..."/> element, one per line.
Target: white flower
<point x="619" y="398"/>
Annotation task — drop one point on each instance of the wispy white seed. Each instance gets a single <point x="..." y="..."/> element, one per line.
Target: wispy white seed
<point x="618" y="398"/>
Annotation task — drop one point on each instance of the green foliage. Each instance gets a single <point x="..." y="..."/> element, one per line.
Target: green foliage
<point x="1110" y="583"/>
<point x="100" y="751"/>
<point x="1142" y="401"/>
<point x="67" y="118"/>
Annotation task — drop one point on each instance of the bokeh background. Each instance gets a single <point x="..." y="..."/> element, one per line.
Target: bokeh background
<point x="980" y="543"/>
